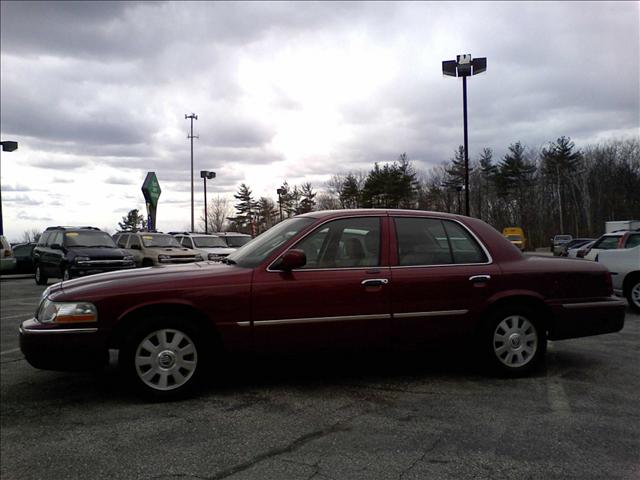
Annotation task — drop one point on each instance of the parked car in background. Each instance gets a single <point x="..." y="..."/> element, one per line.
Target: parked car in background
<point x="579" y="252"/>
<point x="24" y="257"/>
<point x="7" y="260"/>
<point x="624" y="265"/>
<point x="68" y="252"/>
<point x="613" y="241"/>
<point x="210" y="246"/>
<point x="234" y="239"/>
<point x="516" y="236"/>
<point x="558" y="242"/>
<point x="576" y="243"/>
<point x="347" y="279"/>
<point x="152" y="248"/>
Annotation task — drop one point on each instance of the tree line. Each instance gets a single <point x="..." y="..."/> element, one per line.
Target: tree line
<point x="558" y="188"/>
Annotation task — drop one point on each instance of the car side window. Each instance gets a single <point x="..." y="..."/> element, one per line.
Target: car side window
<point x="186" y="242"/>
<point x="607" y="243"/>
<point x="422" y="241"/>
<point x="122" y="241"/>
<point x="44" y="239"/>
<point x="55" y="238"/>
<point x="134" y="240"/>
<point x="464" y="247"/>
<point x="633" y="240"/>
<point x="343" y="243"/>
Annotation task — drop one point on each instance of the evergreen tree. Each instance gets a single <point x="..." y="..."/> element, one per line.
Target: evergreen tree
<point x="246" y="208"/>
<point x="350" y="194"/>
<point x="132" y="222"/>
<point x="392" y="186"/>
<point x="307" y="202"/>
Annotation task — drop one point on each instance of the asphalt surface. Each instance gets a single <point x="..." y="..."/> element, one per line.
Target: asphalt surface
<point x="392" y="415"/>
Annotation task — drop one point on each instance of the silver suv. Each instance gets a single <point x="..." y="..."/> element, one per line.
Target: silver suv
<point x="210" y="246"/>
<point x="150" y="248"/>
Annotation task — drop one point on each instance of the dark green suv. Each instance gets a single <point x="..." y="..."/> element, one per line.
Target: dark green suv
<point x="67" y="252"/>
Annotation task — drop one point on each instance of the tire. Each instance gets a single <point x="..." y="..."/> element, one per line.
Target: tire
<point x="513" y="341"/>
<point x="164" y="359"/>
<point x="147" y="262"/>
<point x="633" y="294"/>
<point x="39" y="276"/>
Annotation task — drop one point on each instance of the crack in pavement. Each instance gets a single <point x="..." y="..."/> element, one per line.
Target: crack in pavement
<point x="420" y="459"/>
<point x="291" y="447"/>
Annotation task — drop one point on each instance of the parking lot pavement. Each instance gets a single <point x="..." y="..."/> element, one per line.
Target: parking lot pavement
<point x="391" y="415"/>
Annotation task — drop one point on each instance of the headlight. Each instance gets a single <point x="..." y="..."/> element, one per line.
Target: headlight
<point x="128" y="259"/>
<point x="82" y="259"/>
<point x="164" y="258"/>
<point x="198" y="258"/>
<point x="66" y="312"/>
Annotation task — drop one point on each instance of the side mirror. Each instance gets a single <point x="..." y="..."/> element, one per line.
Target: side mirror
<point x="291" y="260"/>
<point x="56" y="246"/>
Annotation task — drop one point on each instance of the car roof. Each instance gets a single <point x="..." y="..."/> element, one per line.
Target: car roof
<point x="377" y="211"/>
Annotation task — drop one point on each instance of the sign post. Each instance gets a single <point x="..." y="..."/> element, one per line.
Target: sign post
<point x="151" y="191"/>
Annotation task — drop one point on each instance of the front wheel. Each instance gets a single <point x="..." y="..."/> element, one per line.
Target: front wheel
<point x="514" y="341"/>
<point x="165" y="360"/>
<point x="633" y="295"/>
<point x="39" y="276"/>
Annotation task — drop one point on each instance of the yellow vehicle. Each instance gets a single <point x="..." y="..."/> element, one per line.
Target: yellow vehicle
<point x="516" y="236"/>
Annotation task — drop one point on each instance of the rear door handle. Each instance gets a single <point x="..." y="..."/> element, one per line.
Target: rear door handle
<point x="479" y="278"/>
<point x="374" y="282"/>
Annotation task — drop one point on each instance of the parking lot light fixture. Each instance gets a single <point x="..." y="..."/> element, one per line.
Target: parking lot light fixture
<point x="204" y="175"/>
<point x="464" y="66"/>
<point x="7" y="146"/>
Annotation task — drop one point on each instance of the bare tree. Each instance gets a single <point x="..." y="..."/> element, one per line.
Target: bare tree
<point x="218" y="210"/>
<point x="31" y="236"/>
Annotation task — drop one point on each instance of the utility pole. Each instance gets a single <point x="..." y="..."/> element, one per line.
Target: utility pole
<point x="191" y="137"/>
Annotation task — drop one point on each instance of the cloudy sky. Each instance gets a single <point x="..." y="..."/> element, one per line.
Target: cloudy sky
<point x="96" y="94"/>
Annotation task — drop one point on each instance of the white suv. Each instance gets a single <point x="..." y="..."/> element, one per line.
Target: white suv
<point x="210" y="246"/>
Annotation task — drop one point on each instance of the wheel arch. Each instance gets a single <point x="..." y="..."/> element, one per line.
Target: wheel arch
<point x="144" y="315"/>
<point x="629" y="281"/>
<point x="532" y="302"/>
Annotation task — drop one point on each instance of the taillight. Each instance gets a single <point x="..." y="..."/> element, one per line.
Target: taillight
<point x="621" y="242"/>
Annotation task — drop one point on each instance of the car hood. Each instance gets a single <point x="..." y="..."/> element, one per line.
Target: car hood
<point x="148" y="278"/>
<point x="218" y="250"/>
<point x="161" y="250"/>
<point x="96" y="252"/>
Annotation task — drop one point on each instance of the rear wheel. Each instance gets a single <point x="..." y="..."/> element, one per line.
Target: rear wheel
<point x="633" y="294"/>
<point x="39" y="276"/>
<point x="164" y="359"/>
<point x="514" y="341"/>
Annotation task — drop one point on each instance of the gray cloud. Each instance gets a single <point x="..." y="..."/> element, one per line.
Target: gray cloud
<point x="16" y="188"/>
<point x="119" y="181"/>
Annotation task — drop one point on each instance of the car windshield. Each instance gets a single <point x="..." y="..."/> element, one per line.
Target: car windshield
<point x="88" y="238"/>
<point x="253" y="253"/>
<point x="209" y="242"/>
<point x="159" y="240"/>
<point x="514" y="238"/>
<point x="237" y="242"/>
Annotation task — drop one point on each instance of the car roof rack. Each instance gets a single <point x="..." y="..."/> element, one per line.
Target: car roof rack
<point x="68" y="227"/>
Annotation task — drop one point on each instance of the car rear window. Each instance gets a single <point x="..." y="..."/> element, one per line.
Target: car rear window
<point x="607" y="243"/>
<point x="431" y="241"/>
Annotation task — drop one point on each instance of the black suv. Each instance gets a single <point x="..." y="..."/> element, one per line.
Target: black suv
<point x="67" y="252"/>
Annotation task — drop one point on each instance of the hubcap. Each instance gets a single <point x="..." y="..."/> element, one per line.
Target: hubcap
<point x="515" y="341"/>
<point x="38" y="273"/>
<point x="635" y="294"/>
<point x="166" y="359"/>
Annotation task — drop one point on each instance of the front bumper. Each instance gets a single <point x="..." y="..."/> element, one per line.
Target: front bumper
<point x="84" y="270"/>
<point x="63" y="348"/>
<point x="583" y="319"/>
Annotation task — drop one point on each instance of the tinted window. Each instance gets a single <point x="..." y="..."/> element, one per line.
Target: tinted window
<point x="430" y="241"/>
<point x="159" y="240"/>
<point x="134" y="240"/>
<point x="345" y="243"/>
<point x="464" y="247"/>
<point x="210" y="242"/>
<point x="237" y="242"/>
<point x="44" y="238"/>
<point x="633" y="240"/>
<point x="186" y="242"/>
<point x="422" y="241"/>
<point x="122" y="240"/>
<point x="56" y="238"/>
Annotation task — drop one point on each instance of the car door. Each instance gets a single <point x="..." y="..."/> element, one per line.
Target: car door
<point x="134" y="248"/>
<point x="339" y="299"/>
<point x="51" y="258"/>
<point x="441" y="278"/>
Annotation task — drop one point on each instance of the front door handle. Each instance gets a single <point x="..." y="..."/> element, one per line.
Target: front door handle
<point x="479" y="278"/>
<point x="374" y="282"/>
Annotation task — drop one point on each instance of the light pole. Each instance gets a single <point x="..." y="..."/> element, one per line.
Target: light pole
<point x="192" y="117"/>
<point x="281" y="191"/>
<point x="463" y="66"/>
<point x="204" y="175"/>
<point x="7" y="146"/>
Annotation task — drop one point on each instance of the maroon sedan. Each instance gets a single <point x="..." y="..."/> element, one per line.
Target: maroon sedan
<point x="348" y="278"/>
